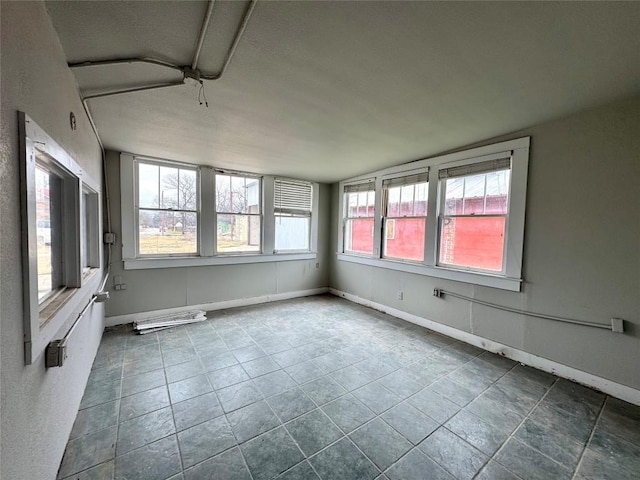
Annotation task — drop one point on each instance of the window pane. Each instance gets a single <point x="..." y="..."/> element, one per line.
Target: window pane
<point x="239" y="233"/>
<point x="223" y="193"/>
<point x="167" y="232"/>
<point x="43" y="227"/>
<point x="497" y="192"/>
<point x="404" y="238"/>
<point x="292" y="233"/>
<point x="351" y="201"/>
<point x="360" y="204"/>
<point x="252" y="194"/>
<point x="474" y="194"/>
<point x="482" y="194"/>
<point x="86" y="229"/>
<point x="169" y="185"/>
<point x="358" y="236"/>
<point x="148" y="182"/>
<point x="393" y="202"/>
<point x="420" y="206"/>
<point x="187" y="190"/>
<point x="454" y="190"/>
<point x="48" y="231"/>
<point x="238" y="195"/>
<point x="371" y="202"/>
<point x="406" y="201"/>
<point x="473" y="242"/>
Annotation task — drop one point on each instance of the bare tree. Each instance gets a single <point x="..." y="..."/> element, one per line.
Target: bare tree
<point x="230" y="198"/>
<point x="183" y="182"/>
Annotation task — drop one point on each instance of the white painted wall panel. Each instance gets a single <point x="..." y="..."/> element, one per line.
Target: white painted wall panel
<point x="165" y="288"/>
<point x="581" y="252"/>
<point x="38" y="405"/>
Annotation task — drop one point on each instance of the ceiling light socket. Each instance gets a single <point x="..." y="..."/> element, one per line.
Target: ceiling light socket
<point x="191" y="77"/>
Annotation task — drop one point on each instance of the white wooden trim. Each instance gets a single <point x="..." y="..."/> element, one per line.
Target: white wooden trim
<point x="221" y="305"/>
<point x="229" y="259"/>
<point x="315" y="214"/>
<point x="207" y="216"/>
<point x="36" y="337"/>
<point x="206" y="221"/>
<point x="609" y="387"/>
<point x="127" y="206"/>
<point x="268" y="218"/>
<point x="510" y="277"/>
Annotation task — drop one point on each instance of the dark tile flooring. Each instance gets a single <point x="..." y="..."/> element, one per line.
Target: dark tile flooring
<point x="320" y="388"/>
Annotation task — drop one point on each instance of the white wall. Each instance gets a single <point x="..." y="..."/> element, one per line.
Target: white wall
<point x="167" y="288"/>
<point x="38" y="406"/>
<point x="581" y="258"/>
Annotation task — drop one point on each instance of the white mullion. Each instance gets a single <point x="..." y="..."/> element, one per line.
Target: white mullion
<point x="514" y="237"/>
<point x="413" y="201"/>
<point x="377" y="218"/>
<point x="267" y="207"/>
<point x="484" y="199"/>
<point x="207" y="219"/>
<point x="129" y="198"/>
<point x="431" y="232"/>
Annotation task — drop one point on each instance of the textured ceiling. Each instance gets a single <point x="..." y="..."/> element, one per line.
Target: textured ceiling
<point x="329" y="90"/>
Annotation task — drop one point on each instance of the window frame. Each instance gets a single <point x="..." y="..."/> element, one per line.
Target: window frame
<point x="511" y="277"/>
<point x="386" y="218"/>
<point x="442" y="215"/>
<point x="91" y="232"/>
<point x="294" y="214"/>
<point x="345" y="218"/>
<point x="136" y="184"/>
<point x="43" y="319"/>
<point x="207" y="222"/>
<point x="260" y="215"/>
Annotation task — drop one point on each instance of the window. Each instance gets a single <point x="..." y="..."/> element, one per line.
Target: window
<point x="292" y="209"/>
<point x="405" y="214"/>
<point x="48" y="220"/>
<point x="466" y="224"/>
<point x="359" y="210"/>
<point x="167" y="209"/>
<point x="60" y="237"/>
<point x="238" y="214"/>
<point x="475" y="213"/>
<point x="90" y="230"/>
<point x="180" y="215"/>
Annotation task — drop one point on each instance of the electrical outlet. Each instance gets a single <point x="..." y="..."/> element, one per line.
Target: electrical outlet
<point x="400" y="295"/>
<point x="437" y="292"/>
<point x="120" y="286"/>
<point x="318" y="265"/>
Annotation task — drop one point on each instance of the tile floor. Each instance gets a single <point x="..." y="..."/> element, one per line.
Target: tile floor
<point x="320" y="388"/>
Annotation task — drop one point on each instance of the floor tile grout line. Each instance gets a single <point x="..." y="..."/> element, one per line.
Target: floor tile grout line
<point x="115" y="453"/>
<point x="524" y="419"/>
<point x="326" y="447"/>
<point x="591" y="434"/>
<point x="401" y="365"/>
<point x="444" y="467"/>
<point x="237" y="445"/>
<point x="344" y="435"/>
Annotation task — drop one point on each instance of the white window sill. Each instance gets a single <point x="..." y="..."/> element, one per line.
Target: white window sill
<point x="476" y="278"/>
<point x="169" y="262"/>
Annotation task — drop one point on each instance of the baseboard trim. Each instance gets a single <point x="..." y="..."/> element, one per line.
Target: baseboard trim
<point x="239" y="302"/>
<point x="609" y="387"/>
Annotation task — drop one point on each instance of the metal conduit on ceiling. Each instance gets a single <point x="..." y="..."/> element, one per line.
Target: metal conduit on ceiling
<point x="190" y="73"/>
